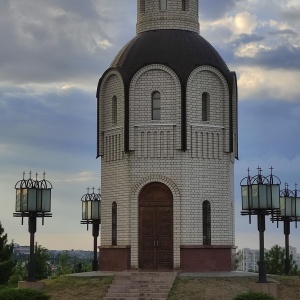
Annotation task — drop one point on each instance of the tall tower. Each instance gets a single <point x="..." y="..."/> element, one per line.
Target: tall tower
<point x="167" y="137"/>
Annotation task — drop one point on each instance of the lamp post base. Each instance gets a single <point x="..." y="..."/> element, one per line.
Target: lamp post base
<point x="37" y="285"/>
<point x="268" y="288"/>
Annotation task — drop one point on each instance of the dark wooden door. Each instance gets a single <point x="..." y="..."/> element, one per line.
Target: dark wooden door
<point x="156" y="227"/>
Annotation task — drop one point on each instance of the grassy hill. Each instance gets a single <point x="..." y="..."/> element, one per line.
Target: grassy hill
<point x="185" y="288"/>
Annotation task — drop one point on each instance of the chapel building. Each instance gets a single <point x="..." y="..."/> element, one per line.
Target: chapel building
<point x="167" y="138"/>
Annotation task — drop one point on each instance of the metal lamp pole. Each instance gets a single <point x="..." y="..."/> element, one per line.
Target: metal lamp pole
<point x="261" y="222"/>
<point x="289" y="212"/>
<point x="33" y="200"/>
<point x="260" y="196"/>
<point x="91" y="214"/>
<point x="31" y="263"/>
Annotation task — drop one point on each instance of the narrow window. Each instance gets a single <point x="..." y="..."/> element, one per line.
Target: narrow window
<point x="114" y="224"/>
<point x="183" y="5"/>
<point x="163" y="4"/>
<point x="206" y="216"/>
<point x="142" y="6"/>
<point x="114" y="109"/>
<point x="205" y="107"/>
<point x="156" y="106"/>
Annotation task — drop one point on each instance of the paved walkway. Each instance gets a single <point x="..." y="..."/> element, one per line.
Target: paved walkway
<point x="179" y="273"/>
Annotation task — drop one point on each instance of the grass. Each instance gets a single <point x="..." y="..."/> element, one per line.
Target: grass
<point x="68" y="288"/>
<point x="228" y="288"/>
<point x="187" y="288"/>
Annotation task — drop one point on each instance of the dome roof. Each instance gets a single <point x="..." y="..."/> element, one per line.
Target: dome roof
<point x="181" y="50"/>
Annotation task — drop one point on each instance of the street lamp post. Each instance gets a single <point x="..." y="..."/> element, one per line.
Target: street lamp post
<point x="91" y="214"/>
<point x="289" y="212"/>
<point x="33" y="200"/>
<point x="260" y="196"/>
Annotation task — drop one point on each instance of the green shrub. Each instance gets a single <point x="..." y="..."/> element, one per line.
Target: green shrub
<point x="254" y="296"/>
<point x="23" y="294"/>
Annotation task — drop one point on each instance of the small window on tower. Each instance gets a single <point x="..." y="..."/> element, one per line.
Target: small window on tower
<point x="206" y="218"/>
<point x="205" y="107"/>
<point x="114" y="224"/>
<point x="156" y="106"/>
<point x="142" y="6"/>
<point x="163" y="4"/>
<point x="114" y="109"/>
<point x="183" y="5"/>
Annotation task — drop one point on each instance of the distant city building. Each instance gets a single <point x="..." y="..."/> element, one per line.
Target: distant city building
<point x="248" y="261"/>
<point x="19" y="250"/>
<point x="250" y="257"/>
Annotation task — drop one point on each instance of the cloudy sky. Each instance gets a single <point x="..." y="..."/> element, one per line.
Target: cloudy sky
<point x="52" y="54"/>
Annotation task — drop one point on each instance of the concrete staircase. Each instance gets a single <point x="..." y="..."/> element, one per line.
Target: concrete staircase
<point x="131" y="285"/>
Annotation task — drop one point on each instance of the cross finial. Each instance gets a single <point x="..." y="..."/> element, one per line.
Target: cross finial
<point x="259" y="170"/>
<point x="23" y="174"/>
<point x="30" y="174"/>
<point x="44" y="174"/>
<point x="88" y="190"/>
<point x="36" y="175"/>
<point x="93" y="190"/>
<point x="99" y="190"/>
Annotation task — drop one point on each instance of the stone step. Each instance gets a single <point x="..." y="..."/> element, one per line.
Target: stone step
<point x="132" y="298"/>
<point x="137" y="289"/>
<point x="141" y="286"/>
<point x="139" y="294"/>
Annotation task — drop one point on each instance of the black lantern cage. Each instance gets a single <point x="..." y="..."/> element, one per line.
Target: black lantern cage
<point x="91" y="207"/>
<point x="260" y="193"/>
<point x="289" y="205"/>
<point x="33" y="197"/>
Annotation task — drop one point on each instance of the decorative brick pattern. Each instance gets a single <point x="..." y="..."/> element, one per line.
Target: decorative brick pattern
<point x="152" y="18"/>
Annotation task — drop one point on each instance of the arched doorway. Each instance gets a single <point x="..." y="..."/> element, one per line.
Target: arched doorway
<point x="156" y="227"/>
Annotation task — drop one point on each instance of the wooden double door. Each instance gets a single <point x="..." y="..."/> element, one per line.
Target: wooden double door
<point x="156" y="227"/>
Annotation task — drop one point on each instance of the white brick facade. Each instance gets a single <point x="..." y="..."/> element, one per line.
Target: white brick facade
<point x="205" y="171"/>
<point x="150" y="17"/>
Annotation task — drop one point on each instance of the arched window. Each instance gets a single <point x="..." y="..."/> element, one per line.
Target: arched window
<point x="205" y="107"/>
<point x="114" y="224"/>
<point x="114" y="110"/>
<point x="206" y="217"/>
<point x="156" y="106"/>
<point x="184" y="5"/>
<point x="163" y="4"/>
<point x="142" y="6"/>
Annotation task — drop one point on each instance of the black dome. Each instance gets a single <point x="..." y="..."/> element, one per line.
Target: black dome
<point x="181" y="50"/>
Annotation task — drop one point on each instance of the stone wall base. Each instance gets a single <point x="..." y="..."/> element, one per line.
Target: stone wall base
<point x="207" y="258"/>
<point x="31" y="285"/>
<point x="268" y="288"/>
<point x="114" y="258"/>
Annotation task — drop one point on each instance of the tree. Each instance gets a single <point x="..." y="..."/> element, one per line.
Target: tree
<point x="275" y="261"/>
<point x="64" y="266"/>
<point x="19" y="274"/>
<point x="6" y="257"/>
<point x="42" y="258"/>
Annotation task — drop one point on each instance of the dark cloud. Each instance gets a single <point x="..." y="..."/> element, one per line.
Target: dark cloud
<point x="291" y="15"/>
<point x="278" y="51"/>
<point x="53" y="41"/>
<point x="282" y="57"/>
<point x="55" y="122"/>
<point x="214" y="9"/>
<point x="268" y="128"/>
<point x="248" y="38"/>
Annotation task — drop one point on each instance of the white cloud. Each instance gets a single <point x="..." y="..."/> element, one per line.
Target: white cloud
<point x="250" y="49"/>
<point x="240" y="23"/>
<point x="258" y="83"/>
<point x="105" y="44"/>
